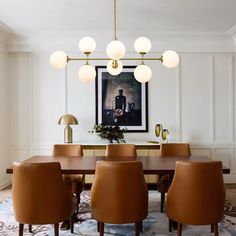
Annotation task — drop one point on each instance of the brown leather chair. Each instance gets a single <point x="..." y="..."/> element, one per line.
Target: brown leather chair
<point x="119" y="194"/>
<point x="197" y="195"/>
<point x="40" y="196"/>
<point x="164" y="181"/>
<point x="121" y="150"/>
<point x="74" y="182"/>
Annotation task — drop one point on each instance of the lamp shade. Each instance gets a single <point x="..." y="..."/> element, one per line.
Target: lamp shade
<point x="87" y="73"/>
<point x="112" y="70"/>
<point x="142" y="45"/>
<point x="68" y="119"/>
<point x="143" y="73"/>
<point x="87" y="45"/>
<point x="170" y="59"/>
<point x="58" y="59"/>
<point x="115" y="50"/>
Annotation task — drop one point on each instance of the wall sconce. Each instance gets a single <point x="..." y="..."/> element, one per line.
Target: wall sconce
<point x="68" y="120"/>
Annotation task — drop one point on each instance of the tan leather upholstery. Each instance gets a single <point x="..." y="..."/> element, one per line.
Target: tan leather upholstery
<point x="73" y="182"/>
<point x="67" y="150"/>
<point x="39" y="194"/>
<point x="170" y="149"/>
<point x="113" y="150"/>
<point x="175" y="149"/>
<point x="197" y="195"/>
<point x="119" y="193"/>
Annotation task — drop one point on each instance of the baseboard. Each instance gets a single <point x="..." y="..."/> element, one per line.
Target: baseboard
<point x="5" y="183"/>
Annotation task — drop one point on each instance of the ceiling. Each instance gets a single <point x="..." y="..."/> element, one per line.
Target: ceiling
<point x="137" y="15"/>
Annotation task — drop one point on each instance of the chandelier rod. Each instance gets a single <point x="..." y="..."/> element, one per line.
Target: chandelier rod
<point x="122" y="59"/>
<point x="114" y="37"/>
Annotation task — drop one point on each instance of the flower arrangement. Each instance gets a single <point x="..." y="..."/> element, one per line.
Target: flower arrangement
<point x="110" y="132"/>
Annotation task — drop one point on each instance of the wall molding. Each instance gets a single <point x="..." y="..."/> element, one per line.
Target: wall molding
<point x="231" y="98"/>
<point x="67" y="40"/>
<point x="212" y="95"/>
<point x="178" y="101"/>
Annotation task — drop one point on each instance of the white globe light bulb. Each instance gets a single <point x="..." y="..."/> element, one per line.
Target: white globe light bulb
<point x="87" y="73"/>
<point x="58" y="59"/>
<point x="115" y="50"/>
<point x="142" y="73"/>
<point x="87" y="45"/>
<point x="142" y="45"/>
<point x="170" y="59"/>
<point x="114" y="71"/>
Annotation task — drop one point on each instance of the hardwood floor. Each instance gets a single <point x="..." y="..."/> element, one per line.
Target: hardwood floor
<point x="230" y="193"/>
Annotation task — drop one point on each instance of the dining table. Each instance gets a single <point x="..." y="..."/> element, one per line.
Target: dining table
<point x="87" y="164"/>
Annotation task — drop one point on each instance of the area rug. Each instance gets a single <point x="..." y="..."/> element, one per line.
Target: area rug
<point x="156" y="224"/>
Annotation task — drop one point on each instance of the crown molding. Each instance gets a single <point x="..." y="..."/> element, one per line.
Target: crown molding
<point x="5" y="33"/>
<point x="232" y="31"/>
<point x="162" y="40"/>
<point x="5" y="29"/>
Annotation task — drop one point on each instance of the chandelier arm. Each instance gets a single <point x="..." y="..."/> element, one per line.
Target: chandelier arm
<point x="122" y="59"/>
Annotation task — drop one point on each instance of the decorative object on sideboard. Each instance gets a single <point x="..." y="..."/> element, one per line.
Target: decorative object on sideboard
<point x="67" y="120"/>
<point x="158" y="129"/>
<point x="165" y="135"/>
<point x="109" y="132"/>
<point x="116" y="53"/>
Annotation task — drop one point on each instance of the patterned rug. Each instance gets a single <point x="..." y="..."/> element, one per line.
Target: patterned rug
<point x="156" y="223"/>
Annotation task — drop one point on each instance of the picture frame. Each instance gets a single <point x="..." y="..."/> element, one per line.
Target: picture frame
<point x="121" y="100"/>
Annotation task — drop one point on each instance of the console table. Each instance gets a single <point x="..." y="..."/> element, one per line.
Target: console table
<point x="142" y="148"/>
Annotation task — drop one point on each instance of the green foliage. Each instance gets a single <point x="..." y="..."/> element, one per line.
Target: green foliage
<point x="110" y="132"/>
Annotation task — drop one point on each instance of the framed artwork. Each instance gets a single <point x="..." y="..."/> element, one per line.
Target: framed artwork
<point x="121" y="100"/>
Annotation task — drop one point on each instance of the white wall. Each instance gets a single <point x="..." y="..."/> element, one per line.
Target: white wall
<point x="196" y="101"/>
<point x="5" y="159"/>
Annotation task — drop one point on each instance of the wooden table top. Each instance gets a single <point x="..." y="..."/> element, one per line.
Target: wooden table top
<point x="87" y="164"/>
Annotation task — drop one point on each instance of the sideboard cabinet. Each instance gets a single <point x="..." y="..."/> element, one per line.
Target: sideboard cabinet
<point x="143" y="149"/>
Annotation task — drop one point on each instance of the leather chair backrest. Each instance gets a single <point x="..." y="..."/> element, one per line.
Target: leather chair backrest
<point x="119" y="193"/>
<point x="67" y="150"/>
<point x="175" y="149"/>
<point x="113" y="150"/>
<point x="197" y="194"/>
<point x="39" y="194"/>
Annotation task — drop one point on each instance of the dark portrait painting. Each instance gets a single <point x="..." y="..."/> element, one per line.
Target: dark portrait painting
<point x="121" y="100"/>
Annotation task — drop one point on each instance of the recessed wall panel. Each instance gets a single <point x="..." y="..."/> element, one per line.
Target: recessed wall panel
<point x="19" y="98"/>
<point x="224" y="155"/>
<point x="222" y="102"/>
<point x="195" y="98"/>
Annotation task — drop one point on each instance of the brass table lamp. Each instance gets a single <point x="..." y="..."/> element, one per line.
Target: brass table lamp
<point x="68" y="120"/>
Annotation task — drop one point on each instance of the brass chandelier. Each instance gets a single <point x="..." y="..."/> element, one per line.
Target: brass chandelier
<point x="116" y="54"/>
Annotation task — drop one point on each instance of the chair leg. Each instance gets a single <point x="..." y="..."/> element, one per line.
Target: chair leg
<point x="179" y="230"/>
<point x="141" y="226"/>
<point x="21" y="229"/>
<point x="216" y="231"/>
<point x="56" y="229"/>
<point x="137" y="228"/>
<point x="162" y="201"/>
<point x="212" y="228"/>
<point x="30" y="229"/>
<point x="72" y="224"/>
<point x="101" y="228"/>
<point x="98" y="226"/>
<point x="77" y="202"/>
<point x="170" y="225"/>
